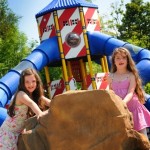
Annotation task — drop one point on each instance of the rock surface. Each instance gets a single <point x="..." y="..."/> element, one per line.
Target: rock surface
<point x="84" y="120"/>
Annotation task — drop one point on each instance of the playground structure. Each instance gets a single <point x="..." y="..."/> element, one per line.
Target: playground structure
<point x="70" y="36"/>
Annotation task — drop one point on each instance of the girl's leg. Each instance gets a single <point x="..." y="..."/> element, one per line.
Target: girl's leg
<point x="144" y="131"/>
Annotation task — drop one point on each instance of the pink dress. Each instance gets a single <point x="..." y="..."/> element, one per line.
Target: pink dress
<point x="141" y="116"/>
<point x="12" y="127"/>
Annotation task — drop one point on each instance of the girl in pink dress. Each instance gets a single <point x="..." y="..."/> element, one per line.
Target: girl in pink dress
<point x="27" y="100"/>
<point x="126" y="83"/>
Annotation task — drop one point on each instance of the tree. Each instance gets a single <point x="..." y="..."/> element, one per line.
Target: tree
<point x="130" y="22"/>
<point x="135" y="27"/>
<point x="13" y="43"/>
<point x="117" y="14"/>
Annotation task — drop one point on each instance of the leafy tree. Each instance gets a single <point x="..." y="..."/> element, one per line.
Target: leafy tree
<point x="135" y="27"/>
<point x="13" y="43"/>
<point x="116" y="15"/>
<point x="110" y="23"/>
<point x="130" y="22"/>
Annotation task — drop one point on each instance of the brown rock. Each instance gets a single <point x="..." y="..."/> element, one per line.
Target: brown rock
<point x="84" y="120"/>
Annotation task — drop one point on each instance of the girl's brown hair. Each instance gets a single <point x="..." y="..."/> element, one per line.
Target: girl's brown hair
<point x="36" y="95"/>
<point x="130" y="67"/>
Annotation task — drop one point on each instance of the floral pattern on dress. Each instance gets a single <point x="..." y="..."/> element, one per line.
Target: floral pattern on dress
<point x="12" y="127"/>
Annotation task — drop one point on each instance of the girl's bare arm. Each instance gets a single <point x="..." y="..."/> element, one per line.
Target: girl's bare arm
<point x="23" y="98"/>
<point x="46" y="100"/>
<point x="131" y="89"/>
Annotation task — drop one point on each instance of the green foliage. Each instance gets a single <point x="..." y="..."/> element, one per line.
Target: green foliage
<point x="135" y="27"/>
<point x="95" y="67"/>
<point x="110" y="26"/>
<point x="13" y="43"/>
<point x="130" y="22"/>
<point x="147" y="88"/>
<point x="55" y="73"/>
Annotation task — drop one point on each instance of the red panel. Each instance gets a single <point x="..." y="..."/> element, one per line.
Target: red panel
<point x="67" y="13"/>
<point x="89" y="14"/>
<point x="43" y="23"/>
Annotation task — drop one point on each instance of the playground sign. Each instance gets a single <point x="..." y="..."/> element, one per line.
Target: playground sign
<point x="58" y="86"/>
<point x="46" y="26"/>
<point x="100" y="79"/>
<point x="71" y="27"/>
<point x="91" y="19"/>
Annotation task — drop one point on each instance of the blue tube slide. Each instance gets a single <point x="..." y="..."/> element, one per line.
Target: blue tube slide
<point x="46" y="53"/>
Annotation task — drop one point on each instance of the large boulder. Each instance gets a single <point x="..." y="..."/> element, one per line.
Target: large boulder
<point x="84" y="120"/>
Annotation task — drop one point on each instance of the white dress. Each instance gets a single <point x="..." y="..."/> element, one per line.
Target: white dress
<point x="12" y="127"/>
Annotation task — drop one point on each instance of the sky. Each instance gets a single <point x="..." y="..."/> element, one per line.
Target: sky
<point x="27" y="9"/>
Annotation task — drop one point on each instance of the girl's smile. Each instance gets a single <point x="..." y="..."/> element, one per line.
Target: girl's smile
<point x="30" y="83"/>
<point x="120" y="60"/>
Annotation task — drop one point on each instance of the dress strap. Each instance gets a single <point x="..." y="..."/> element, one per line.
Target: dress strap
<point x="111" y="76"/>
<point x="129" y="74"/>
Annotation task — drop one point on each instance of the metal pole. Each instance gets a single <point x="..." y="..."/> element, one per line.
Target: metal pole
<point x="61" y="51"/>
<point x="87" y="48"/>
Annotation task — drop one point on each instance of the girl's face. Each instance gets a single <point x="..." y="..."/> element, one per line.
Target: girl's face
<point x="120" y="61"/>
<point x="30" y="83"/>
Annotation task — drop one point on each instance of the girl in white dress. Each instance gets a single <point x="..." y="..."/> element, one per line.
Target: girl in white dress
<point x="27" y="100"/>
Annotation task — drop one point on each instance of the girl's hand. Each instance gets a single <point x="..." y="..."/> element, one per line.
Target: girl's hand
<point x="41" y="114"/>
<point x="24" y="131"/>
<point x="38" y="118"/>
<point x="125" y="102"/>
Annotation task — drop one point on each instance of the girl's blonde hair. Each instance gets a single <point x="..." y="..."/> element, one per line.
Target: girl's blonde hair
<point x="130" y="67"/>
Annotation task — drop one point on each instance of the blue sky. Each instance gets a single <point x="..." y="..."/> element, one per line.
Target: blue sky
<point x="27" y="9"/>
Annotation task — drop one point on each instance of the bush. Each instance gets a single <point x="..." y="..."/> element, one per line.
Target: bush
<point x="147" y="88"/>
